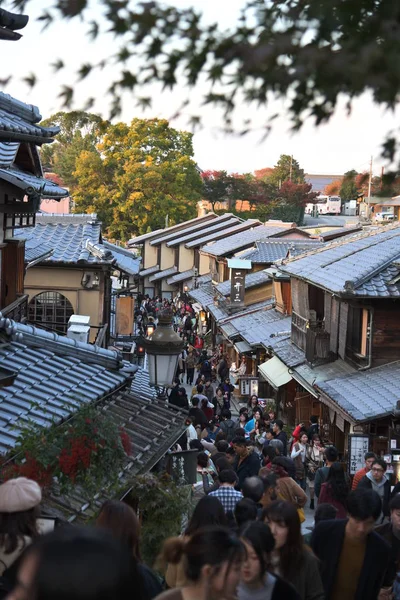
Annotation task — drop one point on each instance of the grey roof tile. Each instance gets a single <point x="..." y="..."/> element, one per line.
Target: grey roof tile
<point x="233" y="243"/>
<point x="197" y="229"/>
<point x="360" y="265"/>
<point x="149" y="271"/>
<point x="20" y="119"/>
<point x="268" y="251"/>
<point x="251" y="280"/>
<point x="235" y="229"/>
<point x="366" y="395"/>
<point x="260" y="327"/>
<point x="30" y="183"/>
<point x="185" y="275"/>
<point x="288" y="353"/>
<point x="215" y="228"/>
<point x="163" y="274"/>
<point x="125" y="259"/>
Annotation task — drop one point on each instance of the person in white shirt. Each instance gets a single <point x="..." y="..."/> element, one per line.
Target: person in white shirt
<point x="299" y="454"/>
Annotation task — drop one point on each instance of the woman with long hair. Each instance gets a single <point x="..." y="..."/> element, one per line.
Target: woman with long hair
<point x="121" y="521"/>
<point x="212" y="560"/>
<point x="314" y="461"/>
<point x="335" y="490"/>
<point x="208" y="511"/>
<point x="253" y="402"/>
<point x="256" y="580"/>
<point x="291" y="560"/>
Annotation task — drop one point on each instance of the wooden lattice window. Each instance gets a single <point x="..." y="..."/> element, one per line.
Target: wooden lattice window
<point x="51" y="310"/>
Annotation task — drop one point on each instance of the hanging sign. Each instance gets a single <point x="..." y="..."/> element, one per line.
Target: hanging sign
<point x="237" y="287"/>
<point x="358" y="446"/>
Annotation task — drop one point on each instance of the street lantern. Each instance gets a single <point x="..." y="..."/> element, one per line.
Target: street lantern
<point x="150" y="328"/>
<point x="186" y="288"/>
<point x="163" y="348"/>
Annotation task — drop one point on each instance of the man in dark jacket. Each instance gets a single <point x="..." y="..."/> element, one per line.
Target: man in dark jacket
<point x="227" y="425"/>
<point x="376" y="480"/>
<point x="178" y="396"/>
<point x="198" y="416"/>
<point x="280" y="435"/>
<point x="353" y="557"/>
<point x="246" y="463"/>
<point x="314" y="428"/>
<point x="391" y="533"/>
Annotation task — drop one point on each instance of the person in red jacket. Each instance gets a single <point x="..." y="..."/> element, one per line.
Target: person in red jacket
<point x="297" y="434"/>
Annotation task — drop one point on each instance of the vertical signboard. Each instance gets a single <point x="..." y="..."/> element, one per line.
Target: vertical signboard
<point x="358" y="446"/>
<point x="124" y="315"/>
<point x="237" y="287"/>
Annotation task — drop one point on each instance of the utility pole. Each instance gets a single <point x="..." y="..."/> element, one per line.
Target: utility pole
<point x="369" y="187"/>
<point x="166" y="221"/>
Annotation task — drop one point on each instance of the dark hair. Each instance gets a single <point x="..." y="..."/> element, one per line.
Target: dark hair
<point x="228" y="476"/>
<point x="315" y="436"/>
<point x="221" y="435"/>
<point x="199" y="388"/>
<point x="331" y="453"/>
<point x="363" y="504"/>
<point x="243" y="411"/>
<point x="226" y="413"/>
<point x="84" y="564"/>
<point x="240" y="432"/>
<point x="258" y="535"/>
<point x="292" y="553"/>
<point x="208" y="511"/>
<point x="325" y="512"/>
<point x="239" y="441"/>
<point x="279" y="423"/>
<point x="195" y="401"/>
<point x="253" y="488"/>
<point x="222" y="464"/>
<point x="222" y="446"/>
<point x="313" y="419"/>
<point x="269" y="481"/>
<point x="202" y="459"/>
<point x="258" y="409"/>
<point x="381" y="463"/>
<point x="268" y="452"/>
<point x="369" y="455"/>
<point x="245" y="510"/>
<point x="276" y="445"/>
<point x="209" y="546"/>
<point x="250" y="399"/>
<point x="336" y="481"/>
<point x="395" y="503"/>
<point x="120" y="519"/>
<point x="196" y="445"/>
<point x="14" y="527"/>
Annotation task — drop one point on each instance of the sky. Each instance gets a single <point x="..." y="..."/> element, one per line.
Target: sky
<point x="346" y="142"/>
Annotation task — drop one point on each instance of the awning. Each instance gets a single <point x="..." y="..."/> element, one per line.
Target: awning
<point x="242" y="347"/>
<point x="197" y="307"/>
<point x="275" y="372"/>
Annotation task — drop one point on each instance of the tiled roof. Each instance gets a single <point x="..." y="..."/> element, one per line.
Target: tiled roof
<point x="268" y="251"/>
<point x="153" y="428"/>
<point x="288" y="353"/>
<point x="185" y="275"/>
<point x="234" y="229"/>
<point x="204" y="294"/>
<point x="173" y="229"/>
<point x="18" y="121"/>
<point x="263" y="327"/>
<point x="31" y="184"/>
<point x="8" y="151"/>
<point x="67" y="241"/>
<point x="197" y="228"/>
<point x="368" y="394"/>
<point x="216" y="229"/>
<point x="310" y="376"/>
<point x="163" y="274"/>
<point x="140" y="386"/>
<point x="251" y="280"/>
<point x="149" y="271"/>
<point x="339" y="232"/>
<point x="204" y="279"/>
<point x="125" y="259"/>
<point x="34" y="250"/>
<point x="234" y="243"/>
<point x="55" y="376"/>
<point x="364" y="265"/>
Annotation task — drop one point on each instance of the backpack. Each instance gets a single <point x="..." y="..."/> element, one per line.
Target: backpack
<point x="228" y="427"/>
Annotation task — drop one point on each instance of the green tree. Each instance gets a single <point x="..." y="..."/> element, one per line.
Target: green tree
<point x="287" y="169"/>
<point x="137" y="175"/>
<point x="216" y="187"/>
<point x="348" y="189"/>
<point x="80" y="132"/>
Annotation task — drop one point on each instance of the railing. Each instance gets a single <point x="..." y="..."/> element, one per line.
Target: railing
<point x="17" y="310"/>
<point x="311" y="337"/>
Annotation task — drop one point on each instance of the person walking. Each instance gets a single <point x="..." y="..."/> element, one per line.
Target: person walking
<point x="353" y="558"/>
<point x="290" y="558"/>
<point x="369" y="458"/>
<point x="391" y="533"/>
<point x="376" y="480"/>
<point x="314" y="461"/>
<point x="335" y="490"/>
<point x="226" y="492"/>
<point x="212" y="562"/>
<point x="246" y="463"/>
<point x="331" y="456"/>
<point x="299" y="453"/>
<point x="280" y="434"/>
<point x="256" y="580"/>
<point x="190" y="367"/>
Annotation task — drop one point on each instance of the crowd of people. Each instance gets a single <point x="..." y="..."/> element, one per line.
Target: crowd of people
<point x="242" y="544"/>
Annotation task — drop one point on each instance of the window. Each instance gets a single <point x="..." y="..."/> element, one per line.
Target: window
<point x="50" y="309"/>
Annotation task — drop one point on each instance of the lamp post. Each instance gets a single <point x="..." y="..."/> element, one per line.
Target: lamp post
<point x="163" y="348"/>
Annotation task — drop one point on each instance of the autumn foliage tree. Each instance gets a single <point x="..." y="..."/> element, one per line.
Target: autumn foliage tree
<point x="137" y="176"/>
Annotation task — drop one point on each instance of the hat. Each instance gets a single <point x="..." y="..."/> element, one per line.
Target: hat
<point x="17" y="495"/>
